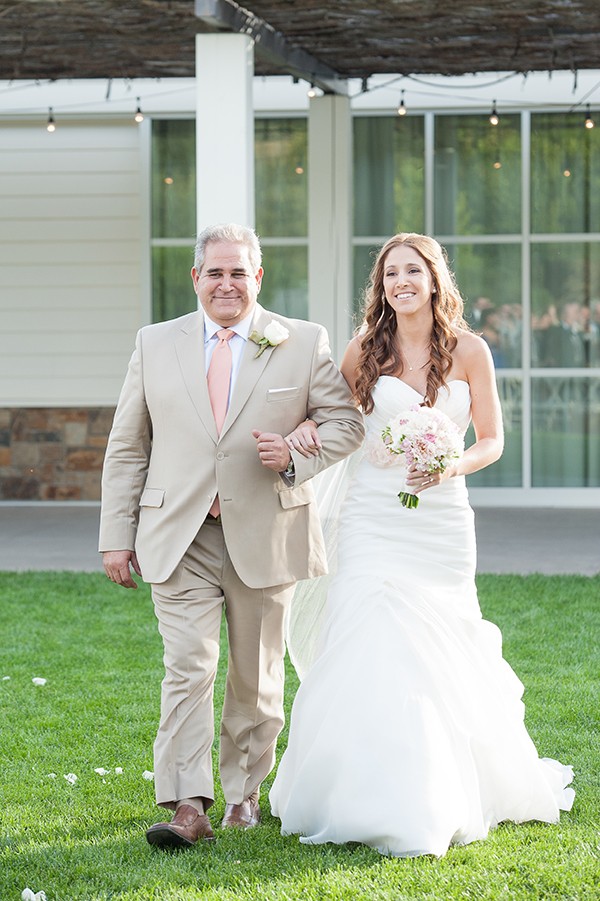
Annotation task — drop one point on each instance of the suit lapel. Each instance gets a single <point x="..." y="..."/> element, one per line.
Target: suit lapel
<point x="251" y="368"/>
<point x="189" y="346"/>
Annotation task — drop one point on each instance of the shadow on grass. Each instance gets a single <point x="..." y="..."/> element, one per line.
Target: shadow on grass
<point x="89" y="863"/>
<point x="93" y="860"/>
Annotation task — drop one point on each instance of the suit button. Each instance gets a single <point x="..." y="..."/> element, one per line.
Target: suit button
<point x="220" y="455"/>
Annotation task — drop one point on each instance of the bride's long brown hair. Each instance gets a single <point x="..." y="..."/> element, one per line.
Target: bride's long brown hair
<point x="380" y="354"/>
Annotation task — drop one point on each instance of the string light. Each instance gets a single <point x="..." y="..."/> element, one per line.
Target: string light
<point x="364" y="85"/>
<point x="50" y="126"/>
<point x="139" y="116"/>
<point x="589" y="122"/>
<point x="311" y="93"/>
<point x="401" y="108"/>
<point x="494" y="118"/>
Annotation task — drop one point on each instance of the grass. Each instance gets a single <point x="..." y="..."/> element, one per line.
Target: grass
<point x="100" y="652"/>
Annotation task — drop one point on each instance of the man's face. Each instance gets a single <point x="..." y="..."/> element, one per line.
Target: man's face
<point x="227" y="286"/>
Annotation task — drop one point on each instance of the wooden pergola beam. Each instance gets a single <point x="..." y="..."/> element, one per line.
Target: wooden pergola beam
<point x="226" y="15"/>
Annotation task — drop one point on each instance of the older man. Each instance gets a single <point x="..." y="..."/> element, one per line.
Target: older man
<point x="202" y="497"/>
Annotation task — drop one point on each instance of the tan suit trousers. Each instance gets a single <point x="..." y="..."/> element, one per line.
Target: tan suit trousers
<point x="189" y="608"/>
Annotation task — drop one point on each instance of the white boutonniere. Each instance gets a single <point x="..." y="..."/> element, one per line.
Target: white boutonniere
<point x="275" y="334"/>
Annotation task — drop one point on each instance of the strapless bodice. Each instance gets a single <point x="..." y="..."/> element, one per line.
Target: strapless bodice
<point x="391" y="396"/>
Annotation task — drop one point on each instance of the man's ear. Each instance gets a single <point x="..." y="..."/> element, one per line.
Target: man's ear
<point x="258" y="277"/>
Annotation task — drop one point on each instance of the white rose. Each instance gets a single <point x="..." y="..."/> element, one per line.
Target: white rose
<point x="275" y="333"/>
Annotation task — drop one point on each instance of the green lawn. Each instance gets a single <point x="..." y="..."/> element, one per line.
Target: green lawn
<point x="98" y="648"/>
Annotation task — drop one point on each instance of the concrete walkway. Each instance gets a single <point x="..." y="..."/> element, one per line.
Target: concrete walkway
<point x="53" y="536"/>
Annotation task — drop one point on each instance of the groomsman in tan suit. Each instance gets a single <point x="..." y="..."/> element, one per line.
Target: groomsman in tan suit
<point x="203" y="498"/>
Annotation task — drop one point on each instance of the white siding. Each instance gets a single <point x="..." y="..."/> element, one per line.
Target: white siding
<point x="73" y="257"/>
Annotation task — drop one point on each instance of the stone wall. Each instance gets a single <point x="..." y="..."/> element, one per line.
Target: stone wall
<point x="52" y="454"/>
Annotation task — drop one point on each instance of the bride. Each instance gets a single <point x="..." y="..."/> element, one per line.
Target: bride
<point x="407" y="731"/>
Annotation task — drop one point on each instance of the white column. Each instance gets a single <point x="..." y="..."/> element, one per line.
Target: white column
<point x="330" y="217"/>
<point x="224" y="129"/>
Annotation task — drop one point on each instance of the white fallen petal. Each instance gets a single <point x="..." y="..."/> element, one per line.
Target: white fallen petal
<point x="71" y="778"/>
<point x="5" y="678"/>
<point x="51" y="775"/>
<point x="101" y="771"/>
<point x="147" y="775"/>
<point x="119" y="770"/>
<point x="27" y="895"/>
<point x="39" y="681"/>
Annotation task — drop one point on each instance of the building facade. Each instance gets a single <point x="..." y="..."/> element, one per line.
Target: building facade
<point x="97" y="225"/>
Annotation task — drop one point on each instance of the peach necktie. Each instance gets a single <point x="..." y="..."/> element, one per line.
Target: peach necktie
<point x="218" y="378"/>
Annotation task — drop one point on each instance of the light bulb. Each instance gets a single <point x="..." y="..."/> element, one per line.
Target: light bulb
<point x="494" y="118"/>
<point x="50" y="127"/>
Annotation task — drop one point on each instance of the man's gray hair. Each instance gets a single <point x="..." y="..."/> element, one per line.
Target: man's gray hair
<point x="235" y="234"/>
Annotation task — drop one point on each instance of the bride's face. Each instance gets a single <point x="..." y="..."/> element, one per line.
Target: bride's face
<point x="407" y="280"/>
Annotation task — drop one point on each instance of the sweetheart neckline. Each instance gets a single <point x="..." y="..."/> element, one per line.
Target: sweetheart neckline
<point x="398" y="379"/>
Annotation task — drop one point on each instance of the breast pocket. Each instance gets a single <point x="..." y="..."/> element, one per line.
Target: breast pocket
<point x="275" y="395"/>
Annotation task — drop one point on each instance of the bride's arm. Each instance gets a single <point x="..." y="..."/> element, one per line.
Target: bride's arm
<point x="304" y="439"/>
<point x="473" y="361"/>
<point x="486" y="413"/>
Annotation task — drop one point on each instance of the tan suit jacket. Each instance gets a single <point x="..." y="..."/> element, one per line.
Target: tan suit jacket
<point x="165" y="463"/>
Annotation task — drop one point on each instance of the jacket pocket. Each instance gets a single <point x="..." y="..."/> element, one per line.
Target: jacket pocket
<point x="152" y="497"/>
<point x="277" y="394"/>
<point x="296" y="497"/>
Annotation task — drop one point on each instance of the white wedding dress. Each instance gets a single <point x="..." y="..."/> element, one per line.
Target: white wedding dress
<point x="407" y="732"/>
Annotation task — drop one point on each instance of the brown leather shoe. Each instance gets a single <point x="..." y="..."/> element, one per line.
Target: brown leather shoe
<point x="242" y="816"/>
<point x="184" y="830"/>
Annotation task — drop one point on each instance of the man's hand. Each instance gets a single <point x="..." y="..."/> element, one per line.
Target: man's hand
<point x="116" y="567"/>
<point x="272" y="450"/>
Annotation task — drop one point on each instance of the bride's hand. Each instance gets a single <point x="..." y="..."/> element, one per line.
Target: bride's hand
<point x="304" y="439"/>
<point x="417" y="481"/>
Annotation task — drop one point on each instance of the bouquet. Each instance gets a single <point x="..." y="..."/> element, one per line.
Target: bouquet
<point x="427" y="438"/>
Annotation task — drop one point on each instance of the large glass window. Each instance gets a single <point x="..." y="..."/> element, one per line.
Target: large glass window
<point x="489" y="277"/>
<point x="173" y="178"/>
<point x="389" y="175"/>
<point x="173" y="217"/>
<point x="281" y="215"/>
<point x="477" y="186"/>
<point x="281" y="178"/>
<point x="388" y="188"/>
<point x="565" y="304"/>
<point x="507" y="472"/>
<point x="550" y="394"/>
<point x="565" y="432"/>
<point x="565" y="174"/>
